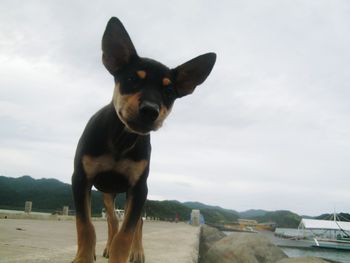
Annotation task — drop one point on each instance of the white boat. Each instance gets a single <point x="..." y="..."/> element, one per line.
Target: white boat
<point x="343" y="244"/>
<point x="333" y="234"/>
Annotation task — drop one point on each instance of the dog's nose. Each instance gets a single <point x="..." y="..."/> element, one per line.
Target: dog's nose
<point x="149" y="110"/>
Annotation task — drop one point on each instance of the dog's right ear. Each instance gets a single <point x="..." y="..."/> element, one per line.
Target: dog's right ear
<point x="117" y="46"/>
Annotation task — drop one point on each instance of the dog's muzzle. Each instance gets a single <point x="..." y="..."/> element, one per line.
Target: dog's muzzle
<point x="149" y="111"/>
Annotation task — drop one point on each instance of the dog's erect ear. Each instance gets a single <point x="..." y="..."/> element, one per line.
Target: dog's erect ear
<point x="116" y="46"/>
<point x="192" y="73"/>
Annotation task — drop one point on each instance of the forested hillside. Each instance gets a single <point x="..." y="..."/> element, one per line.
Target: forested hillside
<point x="50" y="195"/>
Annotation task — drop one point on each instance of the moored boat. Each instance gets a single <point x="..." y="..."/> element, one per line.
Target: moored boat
<point x="343" y="244"/>
<point x="333" y="234"/>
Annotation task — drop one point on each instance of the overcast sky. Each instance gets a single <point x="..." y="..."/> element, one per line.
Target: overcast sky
<point x="268" y="129"/>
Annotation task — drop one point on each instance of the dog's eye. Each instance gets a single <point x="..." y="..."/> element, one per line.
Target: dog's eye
<point x="132" y="78"/>
<point x="169" y="92"/>
<point x="137" y="76"/>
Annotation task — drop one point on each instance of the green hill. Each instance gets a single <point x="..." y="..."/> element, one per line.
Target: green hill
<point x="252" y="213"/>
<point x="50" y="195"/>
<point x="167" y="210"/>
<point x="47" y="195"/>
<point x="282" y="218"/>
<point x="341" y="216"/>
<point x="198" y="205"/>
<point x="214" y="214"/>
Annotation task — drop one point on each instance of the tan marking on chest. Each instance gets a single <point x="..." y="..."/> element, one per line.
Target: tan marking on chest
<point x="132" y="170"/>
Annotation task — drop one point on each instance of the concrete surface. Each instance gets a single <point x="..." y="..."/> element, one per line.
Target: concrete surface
<point x="27" y="240"/>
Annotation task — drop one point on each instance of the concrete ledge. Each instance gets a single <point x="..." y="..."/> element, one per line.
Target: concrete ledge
<point x="171" y="242"/>
<point x="33" y="215"/>
<point x="54" y="241"/>
<point x="13" y="214"/>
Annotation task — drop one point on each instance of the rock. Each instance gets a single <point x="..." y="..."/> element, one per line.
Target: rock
<point x="303" y="260"/>
<point x="209" y="235"/>
<point x="243" y="248"/>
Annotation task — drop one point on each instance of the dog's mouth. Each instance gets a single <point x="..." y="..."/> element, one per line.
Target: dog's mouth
<point x="139" y="128"/>
<point x="137" y="125"/>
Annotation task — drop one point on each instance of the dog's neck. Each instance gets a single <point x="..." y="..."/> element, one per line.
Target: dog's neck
<point x="122" y="139"/>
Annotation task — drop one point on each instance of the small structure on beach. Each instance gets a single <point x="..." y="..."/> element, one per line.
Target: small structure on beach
<point x="195" y="217"/>
<point x="118" y="212"/>
<point x="28" y="207"/>
<point x="65" y="210"/>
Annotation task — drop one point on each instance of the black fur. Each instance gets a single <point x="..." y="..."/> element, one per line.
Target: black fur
<point x="127" y="138"/>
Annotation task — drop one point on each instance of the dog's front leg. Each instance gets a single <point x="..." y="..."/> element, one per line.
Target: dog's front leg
<point x="112" y="220"/>
<point x="85" y="229"/>
<point x="121" y="244"/>
<point x="137" y="253"/>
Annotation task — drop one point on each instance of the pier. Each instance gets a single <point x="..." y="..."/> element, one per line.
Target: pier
<point x="54" y="241"/>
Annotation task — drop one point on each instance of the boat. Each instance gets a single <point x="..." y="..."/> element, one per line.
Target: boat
<point x="342" y="244"/>
<point x="332" y="234"/>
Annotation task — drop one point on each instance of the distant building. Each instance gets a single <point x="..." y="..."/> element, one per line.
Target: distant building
<point x="196" y="218"/>
<point x="253" y="224"/>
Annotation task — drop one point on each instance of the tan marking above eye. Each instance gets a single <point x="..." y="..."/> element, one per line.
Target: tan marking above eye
<point x="166" y="82"/>
<point x="141" y="74"/>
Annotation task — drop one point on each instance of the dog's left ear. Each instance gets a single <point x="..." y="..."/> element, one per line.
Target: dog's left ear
<point x="117" y="46"/>
<point x="193" y="73"/>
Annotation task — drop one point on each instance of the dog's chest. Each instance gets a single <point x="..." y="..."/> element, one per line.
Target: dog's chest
<point x="110" y="170"/>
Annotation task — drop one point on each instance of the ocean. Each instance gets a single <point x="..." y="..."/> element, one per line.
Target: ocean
<point x="342" y="256"/>
<point x="336" y="255"/>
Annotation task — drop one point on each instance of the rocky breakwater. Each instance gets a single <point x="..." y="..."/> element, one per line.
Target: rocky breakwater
<point x="216" y="247"/>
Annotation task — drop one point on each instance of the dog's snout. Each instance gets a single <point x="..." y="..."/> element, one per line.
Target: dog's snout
<point x="149" y="110"/>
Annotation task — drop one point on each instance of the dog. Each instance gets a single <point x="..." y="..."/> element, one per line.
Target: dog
<point x="113" y="153"/>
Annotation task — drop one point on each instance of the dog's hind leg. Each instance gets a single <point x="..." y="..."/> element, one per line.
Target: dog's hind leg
<point x="85" y="229"/>
<point x="112" y="220"/>
<point x="137" y="254"/>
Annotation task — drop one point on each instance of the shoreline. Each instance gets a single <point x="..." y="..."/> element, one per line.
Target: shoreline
<point x="241" y="246"/>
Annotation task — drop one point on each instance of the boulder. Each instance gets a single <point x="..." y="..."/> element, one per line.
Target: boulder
<point x="243" y="248"/>
<point x="303" y="260"/>
<point x="209" y="235"/>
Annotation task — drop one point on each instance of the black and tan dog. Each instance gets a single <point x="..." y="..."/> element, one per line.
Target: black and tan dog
<point x="114" y="151"/>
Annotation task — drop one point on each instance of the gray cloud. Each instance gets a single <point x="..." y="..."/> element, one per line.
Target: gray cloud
<point x="268" y="129"/>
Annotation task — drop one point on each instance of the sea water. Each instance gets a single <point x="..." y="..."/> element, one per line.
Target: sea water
<point x="336" y="255"/>
<point x="342" y="256"/>
<point x="332" y="254"/>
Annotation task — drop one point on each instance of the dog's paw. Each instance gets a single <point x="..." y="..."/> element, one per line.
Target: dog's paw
<point x="106" y="252"/>
<point x="137" y="256"/>
<point x="85" y="259"/>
